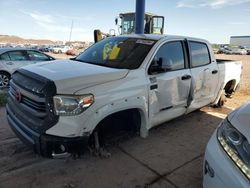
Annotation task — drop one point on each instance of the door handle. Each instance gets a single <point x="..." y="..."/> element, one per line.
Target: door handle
<point x="155" y="86"/>
<point x="185" y="77"/>
<point x="214" y="71"/>
<point x="9" y="63"/>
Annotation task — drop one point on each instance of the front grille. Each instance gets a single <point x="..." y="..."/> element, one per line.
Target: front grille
<point x="34" y="107"/>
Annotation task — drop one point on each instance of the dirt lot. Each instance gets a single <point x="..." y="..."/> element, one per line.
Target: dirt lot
<point x="170" y="157"/>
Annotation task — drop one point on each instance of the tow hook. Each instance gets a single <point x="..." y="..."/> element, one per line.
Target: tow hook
<point x="60" y="155"/>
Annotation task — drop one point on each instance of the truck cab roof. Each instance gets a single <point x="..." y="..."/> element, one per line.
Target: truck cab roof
<point x="160" y="37"/>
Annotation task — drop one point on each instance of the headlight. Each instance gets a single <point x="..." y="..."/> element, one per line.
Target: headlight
<point x="235" y="145"/>
<point x="72" y="105"/>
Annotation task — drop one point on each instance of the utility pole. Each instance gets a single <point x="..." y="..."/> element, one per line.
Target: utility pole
<point x="139" y="16"/>
<point x="71" y="27"/>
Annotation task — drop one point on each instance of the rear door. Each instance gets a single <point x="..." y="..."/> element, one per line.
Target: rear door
<point x="36" y="56"/>
<point x="205" y="75"/>
<point x="169" y="89"/>
<point x="14" y="60"/>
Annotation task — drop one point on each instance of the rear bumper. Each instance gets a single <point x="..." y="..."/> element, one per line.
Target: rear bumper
<point x="45" y="144"/>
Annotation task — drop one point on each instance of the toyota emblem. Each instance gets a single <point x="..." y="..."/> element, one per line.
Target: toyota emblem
<point x="18" y="96"/>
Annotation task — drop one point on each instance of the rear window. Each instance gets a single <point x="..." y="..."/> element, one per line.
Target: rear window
<point x="37" y="56"/>
<point x="117" y="52"/>
<point x="199" y="53"/>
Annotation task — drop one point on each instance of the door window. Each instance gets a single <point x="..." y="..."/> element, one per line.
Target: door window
<point x="37" y="56"/>
<point x="199" y="53"/>
<point x="170" y="57"/>
<point x="17" y="56"/>
<point x="158" y="24"/>
<point x="5" y="57"/>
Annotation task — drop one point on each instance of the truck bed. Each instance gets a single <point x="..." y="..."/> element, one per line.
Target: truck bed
<point x="220" y="61"/>
<point x="230" y="72"/>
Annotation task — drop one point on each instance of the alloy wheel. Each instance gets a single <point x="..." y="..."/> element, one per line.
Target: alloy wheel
<point x="4" y="80"/>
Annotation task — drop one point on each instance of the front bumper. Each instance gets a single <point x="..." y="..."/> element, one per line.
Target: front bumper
<point x="226" y="174"/>
<point x="45" y="144"/>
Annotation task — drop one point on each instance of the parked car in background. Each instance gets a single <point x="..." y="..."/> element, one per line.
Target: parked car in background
<point x="43" y="48"/>
<point x="60" y="49"/>
<point x="238" y="51"/>
<point x="227" y="157"/>
<point x="232" y="51"/>
<point x="12" y="58"/>
<point x="73" y="52"/>
<point x="224" y="50"/>
<point x="248" y="50"/>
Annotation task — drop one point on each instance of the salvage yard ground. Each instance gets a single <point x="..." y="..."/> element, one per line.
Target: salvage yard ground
<point x="170" y="157"/>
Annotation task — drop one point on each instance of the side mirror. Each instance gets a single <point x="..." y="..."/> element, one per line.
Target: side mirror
<point x="116" y="21"/>
<point x="167" y="64"/>
<point x="160" y="65"/>
<point x="156" y="66"/>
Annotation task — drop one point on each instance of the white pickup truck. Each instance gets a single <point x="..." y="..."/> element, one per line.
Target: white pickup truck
<point x="133" y="82"/>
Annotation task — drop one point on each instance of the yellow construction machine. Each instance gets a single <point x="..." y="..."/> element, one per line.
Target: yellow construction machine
<point x="154" y="24"/>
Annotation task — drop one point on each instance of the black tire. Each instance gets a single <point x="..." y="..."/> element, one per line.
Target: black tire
<point x="222" y="100"/>
<point x="4" y="79"/>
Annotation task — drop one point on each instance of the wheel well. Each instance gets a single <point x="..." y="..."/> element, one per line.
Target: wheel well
<point x="119" y="124"/>
<point x="6" y="73"/>
<point x="229" y="88"/>
<point x="128" y="119"/>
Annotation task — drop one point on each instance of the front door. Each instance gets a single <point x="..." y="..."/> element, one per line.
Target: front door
<point x="169" y="88"/>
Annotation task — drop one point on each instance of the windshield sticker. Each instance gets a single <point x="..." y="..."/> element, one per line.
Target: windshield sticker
<point x="147" y="42"/>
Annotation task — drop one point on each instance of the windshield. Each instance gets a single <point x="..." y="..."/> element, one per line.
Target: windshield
<point x="117" y="52"/>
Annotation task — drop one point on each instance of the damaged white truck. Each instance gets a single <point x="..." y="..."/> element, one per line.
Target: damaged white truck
<point x="133" y="82"/>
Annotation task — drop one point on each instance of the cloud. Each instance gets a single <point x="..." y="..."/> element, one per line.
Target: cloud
<point x="54" y="24"/>
<point x="206" y="3"/>
<point x="42" y="17"/>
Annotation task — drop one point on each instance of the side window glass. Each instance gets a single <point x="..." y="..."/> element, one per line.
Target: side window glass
<point x="37" y="56"/>
<point x="200" y="54"/>
<point x="170" y="57"/>
<point x="5" y="57"/>
<point x="17" y="56"/>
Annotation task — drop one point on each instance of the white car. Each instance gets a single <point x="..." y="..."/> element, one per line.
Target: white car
<point x="238" y="51"/>
<point x="60" y="49"/>
<point x="13" y="58"/>
<point x="227" y="157"/>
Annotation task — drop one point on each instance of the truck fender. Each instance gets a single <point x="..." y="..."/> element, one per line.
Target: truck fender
<point x="139" y="103"/>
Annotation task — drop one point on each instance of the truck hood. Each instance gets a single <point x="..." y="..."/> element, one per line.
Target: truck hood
<point x="70" y="76"/>
<point x="240" y="119"/>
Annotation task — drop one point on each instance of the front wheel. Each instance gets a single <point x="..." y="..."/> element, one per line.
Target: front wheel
<point x="4" y="79"/>
<point x="222" y="100"/>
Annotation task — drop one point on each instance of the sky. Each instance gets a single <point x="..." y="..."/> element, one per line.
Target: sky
<point x="214" y="20"/>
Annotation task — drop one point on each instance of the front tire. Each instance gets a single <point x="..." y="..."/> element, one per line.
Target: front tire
<point x="4" y="79"/>
<point x="222" y="100"/>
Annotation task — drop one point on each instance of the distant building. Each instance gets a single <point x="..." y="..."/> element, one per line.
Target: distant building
<point x="240" y="40"/>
